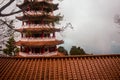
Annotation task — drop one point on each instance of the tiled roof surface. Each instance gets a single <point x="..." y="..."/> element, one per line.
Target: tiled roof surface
<point x="94" y="67"/>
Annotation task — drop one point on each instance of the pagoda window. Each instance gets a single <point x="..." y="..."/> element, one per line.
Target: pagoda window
<point x="42" y="50"/>
<point x="36" y="22"/>
<point x="37" y="50"/>
<point x="21" y="48"/>
<point x="42" y="34"/>
<point x="28" y="8"/>
<point x="46" y="49"/>
<point x="36" y="35"/>
<point x="22" y="23"/>
<point x="53" y="48"/>
<point x="22" y="35"/>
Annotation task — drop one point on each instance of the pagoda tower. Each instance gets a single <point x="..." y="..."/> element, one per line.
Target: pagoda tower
<point x="38" y="31"/>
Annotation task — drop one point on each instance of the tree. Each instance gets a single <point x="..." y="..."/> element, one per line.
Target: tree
<point x="11" y="48"/>
<point x="77" y="51"/>
<point x="117" y="19"/>
<point x="6" y="23"/>
<point x="62" y="50"/>
<point x="6" y="30"/>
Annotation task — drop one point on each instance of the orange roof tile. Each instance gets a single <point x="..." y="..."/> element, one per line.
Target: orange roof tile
<point x="39" y="43"/>
<point x="100" y="67"/>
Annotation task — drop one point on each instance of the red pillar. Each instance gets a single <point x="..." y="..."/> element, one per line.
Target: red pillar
<point x="43" y="50"/>
<point x="22" y="22"/>
<point x="22" y="35"/>
<point x="55" y="48"/>
<point x="53" y="34"/>
<point x="21" y="48"/>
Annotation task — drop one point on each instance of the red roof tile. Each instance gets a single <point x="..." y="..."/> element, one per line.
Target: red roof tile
<point x="98" y="67"/>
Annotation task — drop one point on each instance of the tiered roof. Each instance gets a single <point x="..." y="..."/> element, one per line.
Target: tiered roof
<point x="46" y="5"/>
<point x="40" y="11"/>
<point x="36" y="29"/>
<point x="39" y="43"/>
<point x="90" y="67"/>
<point x="39" y="18"/>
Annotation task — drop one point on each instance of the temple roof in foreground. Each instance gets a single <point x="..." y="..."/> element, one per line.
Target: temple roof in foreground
<point x="90" y="67"/>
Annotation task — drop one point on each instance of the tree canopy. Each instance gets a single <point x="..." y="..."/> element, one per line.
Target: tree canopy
<point x="11" y="48"/>
<point x="62" y="50"/>
<point x="77" y="51"/>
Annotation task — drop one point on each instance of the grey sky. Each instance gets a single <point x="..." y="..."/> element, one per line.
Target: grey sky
<point x="93" y="22"/>
<point x="94" y="27"/>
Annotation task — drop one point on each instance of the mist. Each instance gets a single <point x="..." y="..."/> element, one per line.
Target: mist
<point x="94" y="26"/>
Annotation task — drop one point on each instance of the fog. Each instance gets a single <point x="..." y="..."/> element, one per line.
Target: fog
<point x="94" y="26"/>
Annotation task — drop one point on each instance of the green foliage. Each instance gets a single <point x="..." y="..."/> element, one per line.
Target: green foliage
<point x="11" y="48"/>
<point x="77" y="51"/>
<point x="62" y="50"/>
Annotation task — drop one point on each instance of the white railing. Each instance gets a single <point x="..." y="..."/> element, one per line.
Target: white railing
<point x="37" y="13"/>
<point x="37" y="54"/>
<point x="38" y="39"/>
<point x="37" y="26"/>
<point x="49" y="1"/>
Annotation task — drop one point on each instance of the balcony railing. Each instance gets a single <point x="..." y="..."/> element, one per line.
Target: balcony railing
<point x="37" y="13"/>
<point x="37" y="26"/>
<point x="37" y="54"/>
<point x="38" y="39"/>
<point x="49" y="1"/>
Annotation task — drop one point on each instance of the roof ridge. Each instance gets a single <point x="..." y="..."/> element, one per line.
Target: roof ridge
<point x="73" y="56"/>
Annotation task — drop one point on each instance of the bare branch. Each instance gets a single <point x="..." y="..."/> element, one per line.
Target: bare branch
<point x="9" y="14"/>
<point x="7" y="24"/>
<point x="7" y="5"/>
<point x="67" y="25"/>
<point x="117" y="19"/>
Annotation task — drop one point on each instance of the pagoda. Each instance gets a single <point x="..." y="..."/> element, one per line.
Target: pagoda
<point x="38" y="31"/>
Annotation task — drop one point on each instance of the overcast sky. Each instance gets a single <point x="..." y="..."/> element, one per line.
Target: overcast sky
<point x="93" y="22"/>
<point x="94" y="26"/>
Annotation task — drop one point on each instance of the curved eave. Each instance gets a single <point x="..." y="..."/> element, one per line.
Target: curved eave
<point x="39" y="43"/>
<point x="38" y="29"/>
<point x="38" y="4"/>
<point x="41" y="17"/>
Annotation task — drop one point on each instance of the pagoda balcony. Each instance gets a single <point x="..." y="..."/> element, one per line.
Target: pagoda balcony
<point x="38" y="39"/>
<point x="49" y="1"/>
<point x="30" y="54"/>
<point x="37" y="26"/>
<point x="37" y="13"/>
<point x="33" y="27"/>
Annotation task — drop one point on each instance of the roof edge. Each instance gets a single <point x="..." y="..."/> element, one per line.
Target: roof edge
<point x="73" y="56"/>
